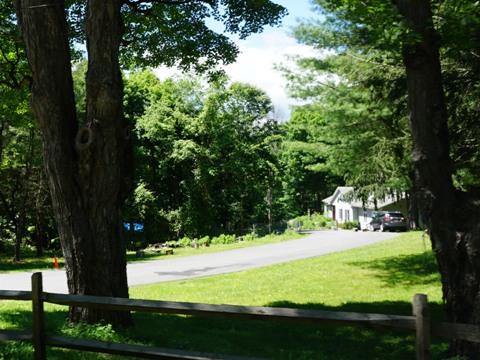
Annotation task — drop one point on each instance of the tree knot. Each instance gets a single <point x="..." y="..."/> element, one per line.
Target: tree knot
<point x="84" y="138"/>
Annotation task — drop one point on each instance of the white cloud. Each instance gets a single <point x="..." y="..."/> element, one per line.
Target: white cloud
<point x="260" y="52"/>
<point x="256" y="65"/>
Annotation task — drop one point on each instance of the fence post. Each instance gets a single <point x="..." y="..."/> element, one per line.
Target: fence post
<point x="38" y="325"/>
<point x="422" y="324"/>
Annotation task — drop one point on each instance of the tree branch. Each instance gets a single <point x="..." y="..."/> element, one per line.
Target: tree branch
<point x="372" y="62"/>
<point x="26" y="81"/>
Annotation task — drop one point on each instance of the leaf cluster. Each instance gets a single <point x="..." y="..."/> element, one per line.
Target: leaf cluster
<point x="14" y="70"/>
<point x="362" y="138"/>
<point x="204" y="153"/>
<point x="180" y="33"/>
<point x="359" y="88"/>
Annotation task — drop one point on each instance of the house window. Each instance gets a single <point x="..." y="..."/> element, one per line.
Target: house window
<point x="347" y="215"/>
<point x="340" y="214"/>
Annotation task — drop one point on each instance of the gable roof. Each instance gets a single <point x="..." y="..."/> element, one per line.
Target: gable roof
<point x="369" y="205"/>
<point x="341" y="190"/>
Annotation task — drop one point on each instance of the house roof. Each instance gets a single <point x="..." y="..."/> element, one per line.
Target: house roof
<point x="370" y="204"/>
<point x="328" y="200"/>
<point x="338" y="191"/>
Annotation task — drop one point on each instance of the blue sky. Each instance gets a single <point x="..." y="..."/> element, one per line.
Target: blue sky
<point x="260" y="52"/>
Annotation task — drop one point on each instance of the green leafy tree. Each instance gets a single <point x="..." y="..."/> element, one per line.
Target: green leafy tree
<point x="359" y="94"/>
<point x="14" y="72"/>
<point x="435" y="43"/>
<point x="205" y="156"/>
<point x="241" y="145"/>
<point x="24" y="201"/>
<point x="89" y="160"/>
<point x="164" y="113"/>
<point x="304" y="153"/>
<point x="21" y="178"/>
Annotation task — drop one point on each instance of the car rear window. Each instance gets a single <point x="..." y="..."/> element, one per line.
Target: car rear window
<point x="396" y="215"/>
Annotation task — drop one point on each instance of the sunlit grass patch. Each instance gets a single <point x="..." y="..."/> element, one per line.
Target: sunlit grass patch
<point x="392" y="270"/>
<point x="380" y="278"/>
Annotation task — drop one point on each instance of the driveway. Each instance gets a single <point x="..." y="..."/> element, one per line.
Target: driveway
<point x="317" y="243"/>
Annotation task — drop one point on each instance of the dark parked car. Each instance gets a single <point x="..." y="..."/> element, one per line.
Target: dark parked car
<point x="388" y="220"/>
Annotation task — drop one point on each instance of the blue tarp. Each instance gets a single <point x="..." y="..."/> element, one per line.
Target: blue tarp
<point x="136" y="226"/>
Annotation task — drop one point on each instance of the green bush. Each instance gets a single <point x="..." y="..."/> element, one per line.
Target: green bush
<point x="224" y="239"/>
<point x="250" y="237"/>
<point x="7" y="240"/>
<point x="204" y="241"/>
<point x="5" y="245"/>
<point x="349" y="225"/>
<point x="289" y="232"/>
<point x="312" y="222"/>
<point x="185" y="242"/>
<point x="323" y="222"/>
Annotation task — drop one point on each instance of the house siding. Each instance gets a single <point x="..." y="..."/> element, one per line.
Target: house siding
<point x="349" y="210"/>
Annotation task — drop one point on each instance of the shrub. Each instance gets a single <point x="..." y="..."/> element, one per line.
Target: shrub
<point x="250" y="237"/>
<point x="4" y="245"/>
<point x="312" y="222"/>
<point x="348" y="225"/>
<point x="322" y="222"/>
<point x="224" y="239"/>
<point x="204" y="241"/>
<point x="185" y="242"/>
<point x="290" y="231"/>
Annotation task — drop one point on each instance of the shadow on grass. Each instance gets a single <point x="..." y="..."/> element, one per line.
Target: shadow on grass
<point x="250" y="338"/>
<point x="404" y="269"/>
<point x="285" y="340"/>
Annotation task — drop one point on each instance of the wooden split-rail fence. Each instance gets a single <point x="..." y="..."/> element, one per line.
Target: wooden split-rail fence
<point x="419" y="322"/>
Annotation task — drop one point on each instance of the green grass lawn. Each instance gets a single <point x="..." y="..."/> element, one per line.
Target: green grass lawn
<point x="392" y="270"/>
<point x="380" y="278"/>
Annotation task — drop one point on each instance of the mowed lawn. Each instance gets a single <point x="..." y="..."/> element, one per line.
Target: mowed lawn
<point x="391" y="271"/>
<point x="380" y="278"/>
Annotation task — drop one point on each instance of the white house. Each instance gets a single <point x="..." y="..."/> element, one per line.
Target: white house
<point x="342" y="206"/>
<point x="338" y="207"/>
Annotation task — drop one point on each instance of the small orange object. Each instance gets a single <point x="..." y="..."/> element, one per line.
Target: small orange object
<point x="55" y="262"/>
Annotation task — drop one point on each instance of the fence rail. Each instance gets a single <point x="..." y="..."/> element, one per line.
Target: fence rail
<point x="419" y="322"/>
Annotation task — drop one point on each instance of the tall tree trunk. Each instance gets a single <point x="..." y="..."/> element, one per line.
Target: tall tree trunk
<point x="3" y="124"/>
<point x="40" y="238"/>
<point x="24" y="180"/>
<point x="452" y="217"/>
<point x="413" y="212"/>
<point x="19" y="228"/>
<point x="86" y="165"/>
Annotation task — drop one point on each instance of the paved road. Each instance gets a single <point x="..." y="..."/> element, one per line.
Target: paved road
<point x="316" y="244"/>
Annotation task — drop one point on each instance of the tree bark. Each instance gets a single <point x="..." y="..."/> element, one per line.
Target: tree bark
<point x="40" y="216"/>
<point x="452" y="216"/>
<point x="24" y="193"/>
<point x="19" y="227"/>
<point x="88" y="165"/>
